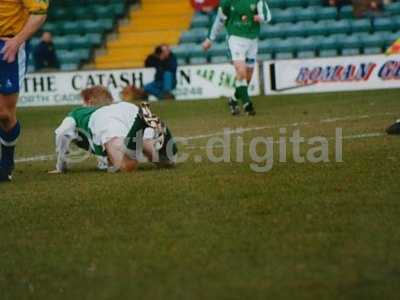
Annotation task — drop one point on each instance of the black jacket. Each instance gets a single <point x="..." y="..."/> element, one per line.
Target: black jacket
<point x="162" y="66"/>
<point x="45" y="56"/>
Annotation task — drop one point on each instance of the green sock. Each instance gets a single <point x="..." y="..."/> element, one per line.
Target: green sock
<point x="242" y="94"/>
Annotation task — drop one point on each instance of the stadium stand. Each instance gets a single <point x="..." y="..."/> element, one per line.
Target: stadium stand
<point x="79" y="27"/>
<point x="300" y="28"/>
<point x="303" y="29"/>
<point x="153" y="23"/>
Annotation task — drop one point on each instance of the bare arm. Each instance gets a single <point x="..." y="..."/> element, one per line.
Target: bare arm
<point x="12" y="45"/>
<point x="65" y="133"/>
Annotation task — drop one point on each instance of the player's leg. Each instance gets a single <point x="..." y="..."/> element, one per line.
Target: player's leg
<point x="118" y="157"/>
<point x="10" y="79"/>
<point x="9" y="133"/>
<point x="154" y="88"/>
<point x="238" y="48"/>
<point x="161" y="152"/>
<point x="251" y="60"/>
<point x="168" y="85"/>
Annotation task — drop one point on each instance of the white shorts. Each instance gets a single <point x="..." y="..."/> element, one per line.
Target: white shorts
<point x="111" y="121"/>
<point x="243" y="49"/>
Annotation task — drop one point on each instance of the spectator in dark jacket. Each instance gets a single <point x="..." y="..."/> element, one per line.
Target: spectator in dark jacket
<point x="44" y="54"/>
<point x="165" y="63"/>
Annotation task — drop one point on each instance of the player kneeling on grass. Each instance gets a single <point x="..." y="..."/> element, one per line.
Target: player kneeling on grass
<point x="242" y="20"/>
<point x="116" y="133"/>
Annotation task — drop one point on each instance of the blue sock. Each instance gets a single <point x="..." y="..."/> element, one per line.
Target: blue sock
<point x="7" y="145"/>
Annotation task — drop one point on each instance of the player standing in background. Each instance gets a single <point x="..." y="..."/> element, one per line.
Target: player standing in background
<point x="242" y="19"/>
<point x="19" y="20"/>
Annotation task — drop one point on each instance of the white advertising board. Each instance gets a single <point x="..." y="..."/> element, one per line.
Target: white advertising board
<point x="194" y="82"/>
<point x="331" y="74"/>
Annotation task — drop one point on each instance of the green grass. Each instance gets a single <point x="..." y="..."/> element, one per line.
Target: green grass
<point x="212" y="231"/>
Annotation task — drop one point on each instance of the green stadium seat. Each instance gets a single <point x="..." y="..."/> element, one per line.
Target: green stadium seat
<point x="181" y="51"/>
<point x="372" y="50"/>
<point x="305" y="54"/>
<point x="296" y="30"/>
<point x="346" y="12"/>
<point x="285" y="45"/>
<point x="195" y="35"/>
<point x="306" y="44"/>
<point x="82" y="12"/>
<point x="328" y="53"/>
<point x="307" y="14"/>
<point x="91" y="26"/>
<point x="393" y="8"/>
<point x="103" y="12"/>
<point x="69" y="57"/>
<point x="181" y="61"/>
<point x="81" y="41"/>
<point x="284" y="55"/>
<point x="350" y="42"/>
<point x="220" y="49"/>
<point x="196" y="51"/>
<point x="83" y="54"/>
<point x="59" y="14"/>
<point x="372" y="40"/>
<point x="268" y="46"/>
<point x="51" y="27"/>
<point x="294" y="3"/>
<point x="350" y="51"/>
<point x="272" y="31"/>
<point x="198" y="60"/>
<point x="328" y="43"/>
<point x="34" y="42"/>
<point x="118" y="9"/>
<point x="313" y="3"/>
<point x="341" y="26"/>
<point x="339" y="37"/>
<point x="327" y="13"/>
<point x="94" y="38"/>
<point x="200" y="20"/>
<point x="264" y="56"/>
<point x="382" y="24"/>
<point x="317" y="28"/>
<point x="62" y="42"/>
<point x="276" y="4"/>
<point x="362" y="25"/>
<point x="72" y="28"/>
<point x="220" y="59"/>
<point x="283" y="15"/>
<point x="69" y="66"/>
<point x="396" y="21"/>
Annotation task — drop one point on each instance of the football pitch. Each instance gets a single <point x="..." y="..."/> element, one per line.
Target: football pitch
<point x="214" y="230"/>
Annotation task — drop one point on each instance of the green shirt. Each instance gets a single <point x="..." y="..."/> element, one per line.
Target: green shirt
<point x="81" y="116"/>
<point x="240" y="18"/>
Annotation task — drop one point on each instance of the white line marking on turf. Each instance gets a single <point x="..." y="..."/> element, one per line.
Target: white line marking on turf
<point x="242" y="130"/>
<point x="35" y="158"/>
<point x="348" y="137"/>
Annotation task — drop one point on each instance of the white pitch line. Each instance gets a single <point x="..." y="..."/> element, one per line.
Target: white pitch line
<point x="348" y="137"/>
<point x="35" y="158"/>
<point x="242" y="130"/>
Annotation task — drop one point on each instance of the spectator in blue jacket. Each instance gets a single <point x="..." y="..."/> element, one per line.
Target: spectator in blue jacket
<point x="44" y="54"/>
<point x="165" y="63"/>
